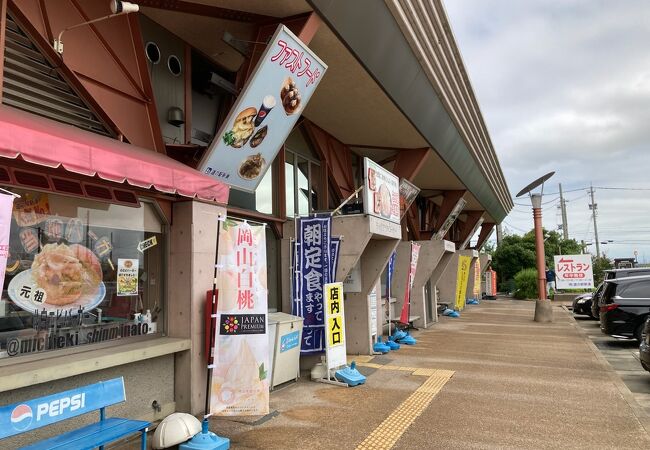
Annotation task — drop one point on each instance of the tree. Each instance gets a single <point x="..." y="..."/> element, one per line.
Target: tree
<point x="600" y="265"/>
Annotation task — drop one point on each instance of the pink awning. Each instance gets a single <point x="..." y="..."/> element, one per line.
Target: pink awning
<point x="52" y="144"/>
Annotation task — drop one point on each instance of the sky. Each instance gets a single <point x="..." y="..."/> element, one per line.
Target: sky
<point x="564" y="85"/>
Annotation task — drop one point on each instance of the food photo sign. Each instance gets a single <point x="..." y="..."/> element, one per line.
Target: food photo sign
<point x="268" y="107"/>
<point x="381" y="192"/>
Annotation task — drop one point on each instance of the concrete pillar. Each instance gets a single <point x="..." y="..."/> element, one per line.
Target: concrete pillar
<point x="431" y="253"/>
<point x="191" y="274"/>
<point x="447" y="282"/>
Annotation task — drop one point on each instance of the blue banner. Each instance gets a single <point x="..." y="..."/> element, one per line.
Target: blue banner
<point x="312" y="268"/>
<point x="39" y="412"/>
<point x="334" y="265"/>
<point x="389" y="274"/>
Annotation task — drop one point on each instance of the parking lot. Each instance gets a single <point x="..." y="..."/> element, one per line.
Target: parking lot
<point x="623" y="356"/>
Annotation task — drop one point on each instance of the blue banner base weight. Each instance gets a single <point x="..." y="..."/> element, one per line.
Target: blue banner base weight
<point x="206" y="440"/>
<point x="380" y="347"/>
<point x="408" y="340"/>
<point x="392" y="344"/>
<point x="350" y="375"/>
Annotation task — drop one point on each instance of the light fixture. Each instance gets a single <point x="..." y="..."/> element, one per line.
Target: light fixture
<point x="117" y="8"/>
<point x="175" y="116"/>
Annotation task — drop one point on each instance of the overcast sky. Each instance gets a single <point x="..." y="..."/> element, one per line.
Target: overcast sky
<point x="564" y="85"/>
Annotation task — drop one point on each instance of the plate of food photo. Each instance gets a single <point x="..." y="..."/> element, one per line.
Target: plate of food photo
<point x="290" y="96"/>
<point x="62" y="277"/>
<point x="242" y="128"/>
<point x="251" y="167"/>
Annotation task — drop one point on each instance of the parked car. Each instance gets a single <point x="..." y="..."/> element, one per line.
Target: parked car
<point x="625" y="306"/>
<point x="582" y="303"/>
<point x="618" y="273"/>
<point x="644" y="348"/>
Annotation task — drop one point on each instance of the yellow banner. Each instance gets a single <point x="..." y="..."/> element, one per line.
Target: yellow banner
<point x="461" y="280"/>
<point x="335" y="330"/>
<point x="476" y="293"/>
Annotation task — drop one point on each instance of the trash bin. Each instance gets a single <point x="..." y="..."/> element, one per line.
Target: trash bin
<point x="285" y="336"/>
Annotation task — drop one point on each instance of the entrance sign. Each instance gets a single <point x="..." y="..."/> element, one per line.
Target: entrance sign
<point x="240" y="383"/>
<point x="380" y="192"/>
<point x="312" y="270"/>
<point x="406" y="308"/>
<point x="573" y="272"/>
<point x="462" y="277"/>
<point x="268" y="107"/>
<point x="449" y="221"/>
<point x="335" y="330"/>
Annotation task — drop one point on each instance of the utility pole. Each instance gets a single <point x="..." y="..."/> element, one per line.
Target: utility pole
<point x="594" y="208"/>
<point x="565" y="226"/>
<point x="499" y="234"/>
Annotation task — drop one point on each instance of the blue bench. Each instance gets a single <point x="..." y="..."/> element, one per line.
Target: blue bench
<point x="33" y="414"/>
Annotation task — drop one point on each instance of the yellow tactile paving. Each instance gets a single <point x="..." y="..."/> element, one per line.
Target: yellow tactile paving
<point x="386" y="435"/>
<point x="360" y="358"/>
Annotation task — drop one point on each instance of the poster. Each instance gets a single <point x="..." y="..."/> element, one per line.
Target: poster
<point x="372" y="297"/>
<point x="476" y="292"/>
<point x="335" y="330"/>
<point x="312" y="270"/>
<point x="407" y="194"/>
<point x="31" y="209"/>
<point x="406" y="308"/>
<point x="449" y="221"/>
<point x="127" y="277"/>
<point x="268" y="107"/>
<point x="573" y="272"/>
<point x="6" y="205"/>
<point x="462" y="277"/>
<point x="240" y="382"/>
<point x="380" y="192"/>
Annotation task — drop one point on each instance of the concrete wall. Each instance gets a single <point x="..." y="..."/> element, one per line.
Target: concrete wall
<point x="191" y="269"/>
<point x="144" y="381"/>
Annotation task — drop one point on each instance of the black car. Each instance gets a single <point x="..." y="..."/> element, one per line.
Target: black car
<point x="625" y="306"/>
<point x="644" y="348"/>
<point x="618" y="273"/>
<point x="582" y="303"/>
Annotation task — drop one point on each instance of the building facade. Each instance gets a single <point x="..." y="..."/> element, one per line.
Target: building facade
<point x="103" y="141"/>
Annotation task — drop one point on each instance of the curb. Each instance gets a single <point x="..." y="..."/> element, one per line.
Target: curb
<point x="639" y="412"/>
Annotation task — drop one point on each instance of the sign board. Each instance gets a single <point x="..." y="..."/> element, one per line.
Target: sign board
<point x="407" y="195"/>
<point x="413" y="265"/>
<point x="127" y="277"/>
<point x="273" y="99"/>
<point x="372" y="297"/>
<point x="573" y="272"/>
<point x="449" y="221"/>
<point x="380" y="192"/>
<point x="335" y="329"/>
<point x="476" y="292"/>
<point x="462" y="277"/>
<point x="384" y="228"/>
<point x="240" y="381"/>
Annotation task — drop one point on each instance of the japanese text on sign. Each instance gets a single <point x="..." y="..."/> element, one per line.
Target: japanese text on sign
<point x="573" y="272"/>
<point x="335" y="330"/>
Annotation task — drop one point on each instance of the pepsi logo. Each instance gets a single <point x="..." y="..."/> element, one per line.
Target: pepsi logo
<point x="21" y="417"/>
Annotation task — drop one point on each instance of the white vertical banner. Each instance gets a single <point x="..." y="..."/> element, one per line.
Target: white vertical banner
<point x="6" y="207"/>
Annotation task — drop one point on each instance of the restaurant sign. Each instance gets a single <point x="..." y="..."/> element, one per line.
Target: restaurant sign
<point x="268" y="107"/>
<point x="573" y="272"/>
<point x="380" y="192"/>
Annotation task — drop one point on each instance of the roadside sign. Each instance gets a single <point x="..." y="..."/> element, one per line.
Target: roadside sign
<point x="573" y="272"/>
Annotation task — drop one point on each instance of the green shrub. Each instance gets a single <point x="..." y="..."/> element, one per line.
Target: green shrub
<point x="526" y="284"/>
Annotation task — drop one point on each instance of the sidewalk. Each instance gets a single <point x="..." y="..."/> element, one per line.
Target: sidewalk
<point x="517" y="384"/>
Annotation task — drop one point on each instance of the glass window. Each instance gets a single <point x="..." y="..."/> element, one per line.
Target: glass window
<point x="289" y="184"/>
<point x="302" y="174"/>
<point x="261" y="200"/>
<point x="80" y="272"/>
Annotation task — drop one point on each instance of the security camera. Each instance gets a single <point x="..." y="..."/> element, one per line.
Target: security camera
<point x="120" y="7"/>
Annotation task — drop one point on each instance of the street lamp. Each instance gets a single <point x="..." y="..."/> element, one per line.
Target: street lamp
<point x="543" y="309"/>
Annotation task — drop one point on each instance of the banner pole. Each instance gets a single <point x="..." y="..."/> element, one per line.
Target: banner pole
<point x="213" y="341"/>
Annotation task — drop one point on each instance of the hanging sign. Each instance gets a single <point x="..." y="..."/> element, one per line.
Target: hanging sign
<point x="335" y="248"/>
<point x="335" y="329"/>
<point x="573" y="272"/>
<point x="449" y="221"/>
<point x="406" y="308"/>
<point x="268" y="107"/>
<point x="127" y="277"/>
<point x="240" y="382"/>
<point x="380" y="192"/>
<point x="407" y="194"/>
<point x="462" y="277"/>
<point x="6" y="205"/>
<point x="312" y="271"/>
<point x="476" y="291"/>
